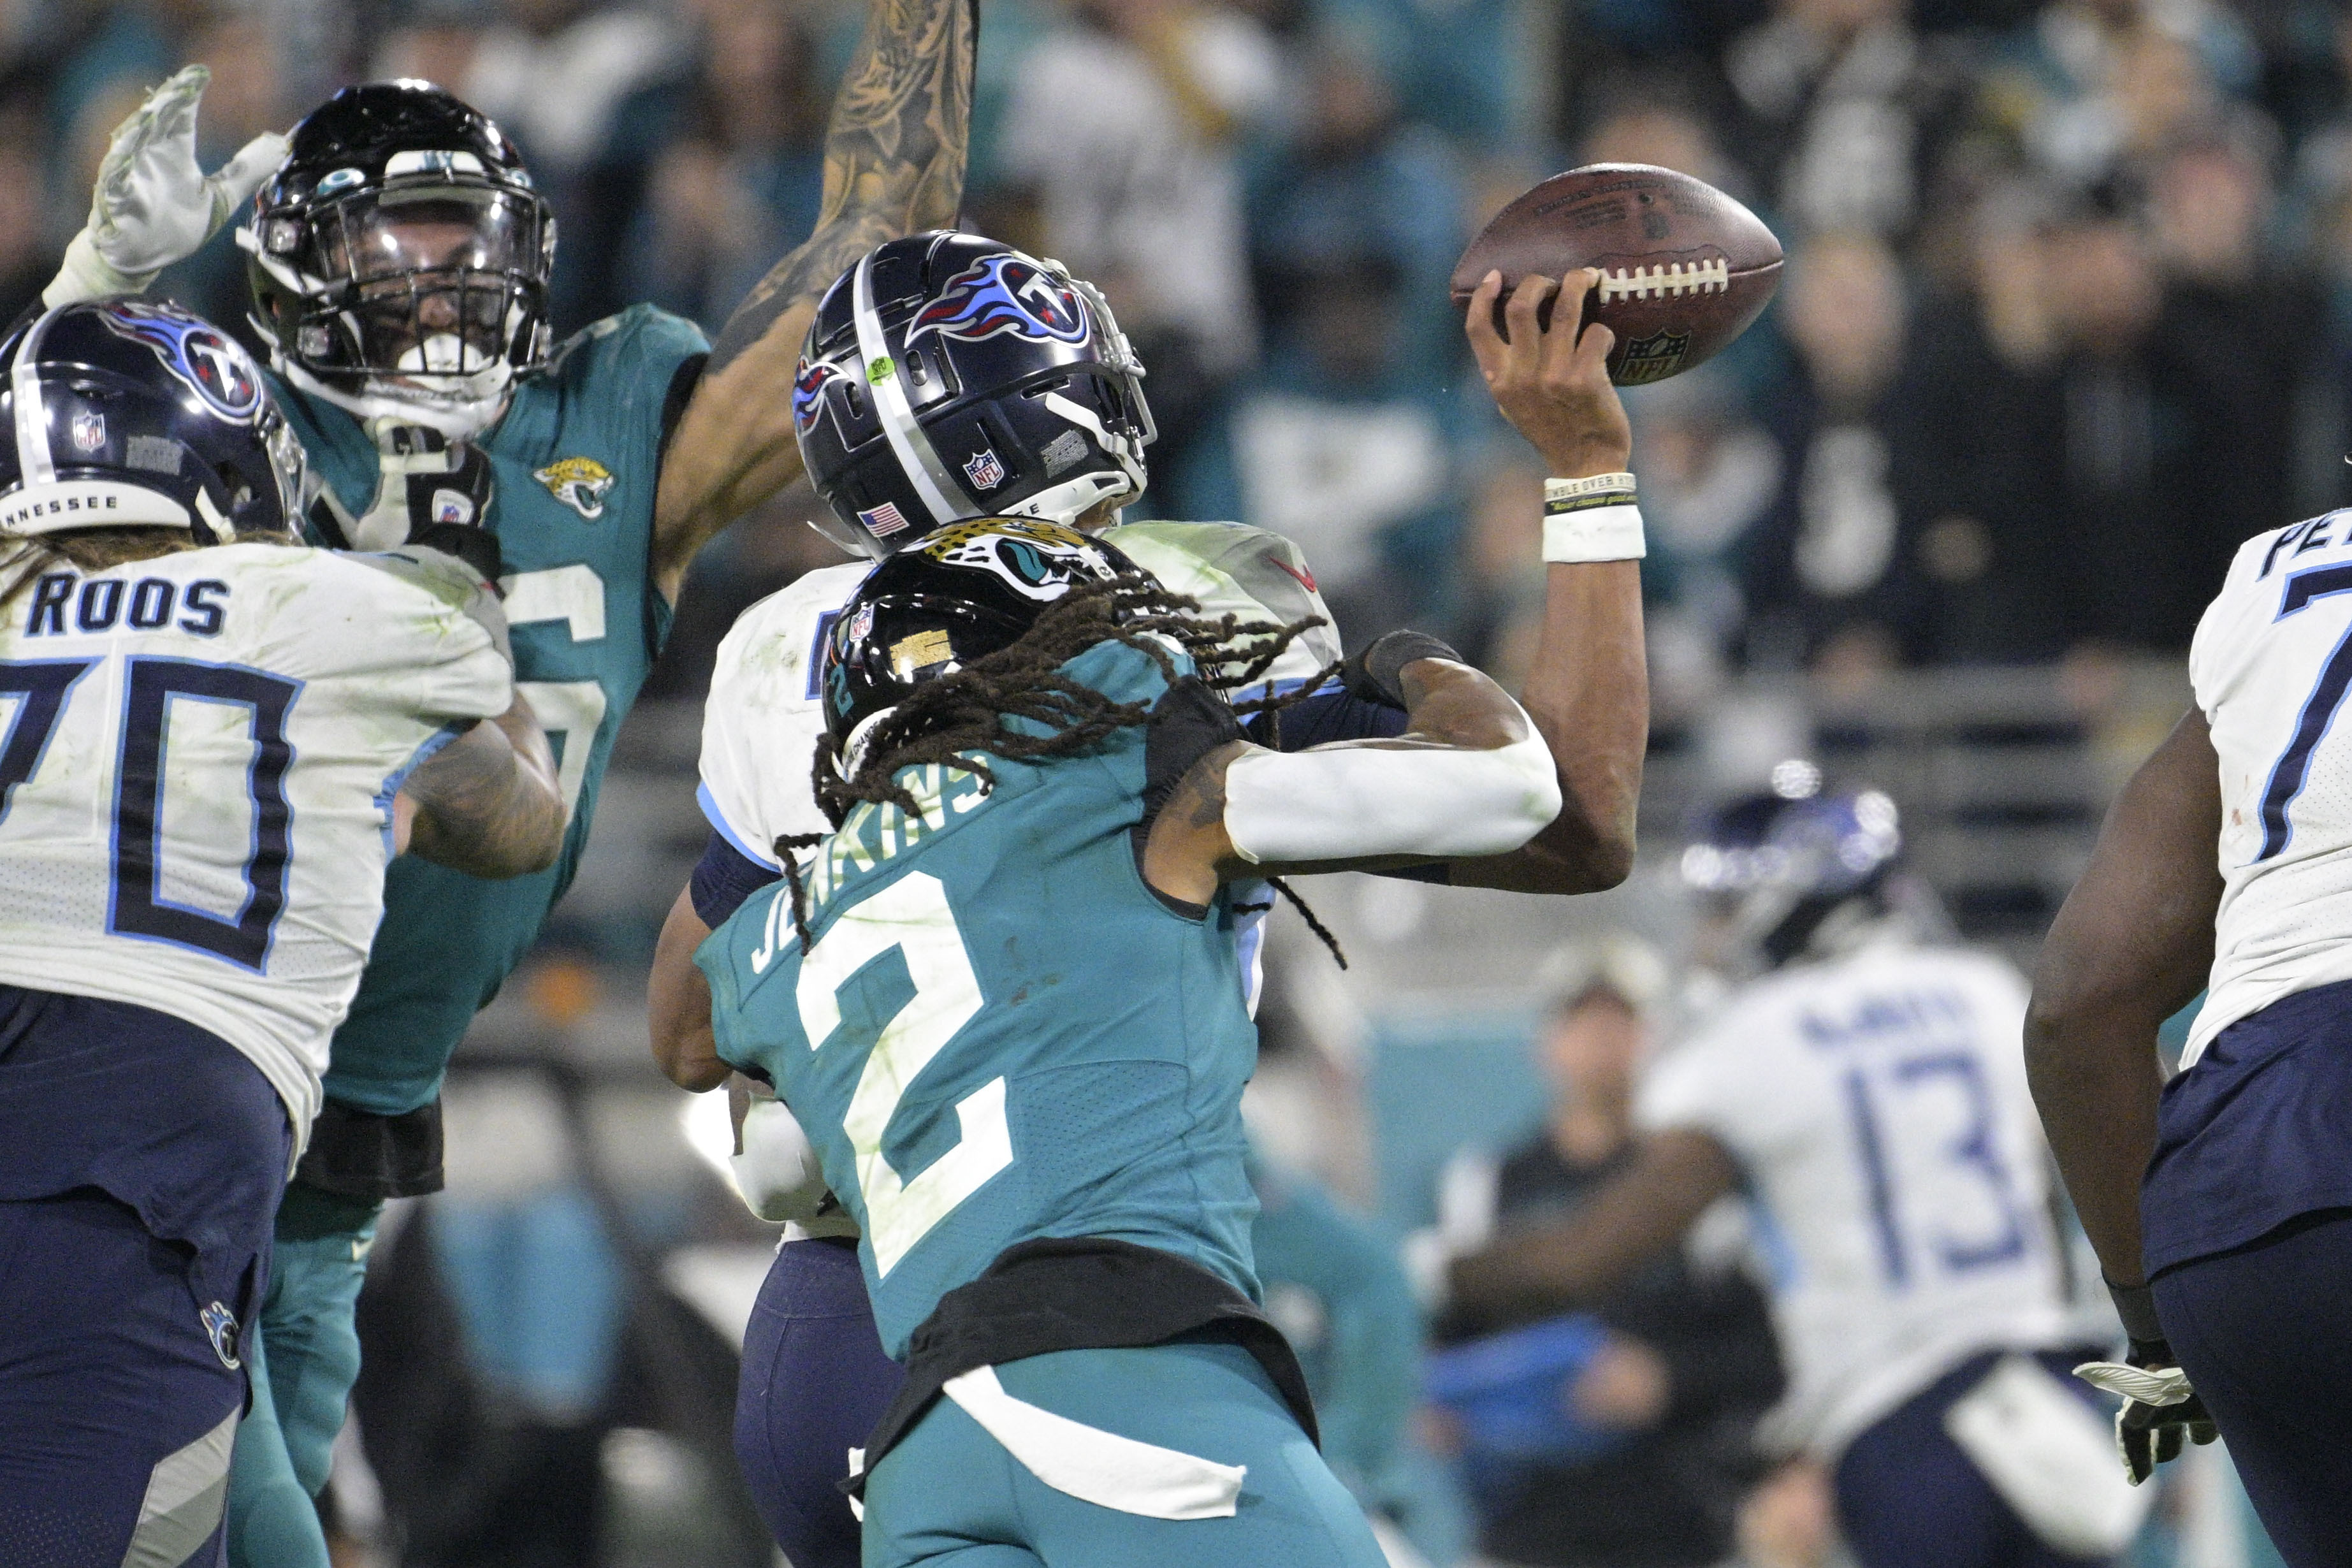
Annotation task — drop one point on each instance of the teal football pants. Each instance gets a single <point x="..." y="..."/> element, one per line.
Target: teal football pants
<point x="303" y="1363"/>
<point x="951" y="1496"/>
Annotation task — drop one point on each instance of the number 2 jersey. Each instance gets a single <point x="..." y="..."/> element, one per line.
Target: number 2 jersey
<point x="1002" y="1033"/>
<point x="1876" y="1105"/>
<point x="197" y="767"/>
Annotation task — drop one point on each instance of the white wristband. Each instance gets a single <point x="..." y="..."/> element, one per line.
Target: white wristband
<point x="1612" y="532"/>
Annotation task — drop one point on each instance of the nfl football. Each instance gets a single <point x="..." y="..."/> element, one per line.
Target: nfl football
<point x="1683" y="267"/>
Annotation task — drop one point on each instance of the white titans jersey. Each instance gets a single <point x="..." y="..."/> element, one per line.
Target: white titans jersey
<point x="1876" y="1104"/>
<point x="2270" y="664"/>
<point x="762" y="722"/>
<point x="198" y="754"/>
<point x="762" y="718"/>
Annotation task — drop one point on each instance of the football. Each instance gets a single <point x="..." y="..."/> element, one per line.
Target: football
<point x="1683" y="267"/>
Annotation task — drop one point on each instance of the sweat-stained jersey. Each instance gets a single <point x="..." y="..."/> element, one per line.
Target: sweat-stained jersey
<point x="197" y="764"/>
<point x="1876" y="1105"/>
<point x="2272" y="664"/>
<point x="576" y="458"/>
<point x="1002" y="1033"/>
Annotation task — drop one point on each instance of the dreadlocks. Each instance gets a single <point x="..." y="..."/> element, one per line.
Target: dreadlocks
<point x="958" y="720"/>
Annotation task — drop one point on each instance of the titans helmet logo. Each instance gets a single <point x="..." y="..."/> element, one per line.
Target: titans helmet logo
<point x="1004" y="294"/>
<point x="808" y="391"/>
<point x="215" y="368"/>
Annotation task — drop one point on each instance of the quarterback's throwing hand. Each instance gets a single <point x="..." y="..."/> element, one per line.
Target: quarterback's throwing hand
<point x="154" y="204"/>
<point x="1552" y="383"/>
<point x="2161" y="1413"/>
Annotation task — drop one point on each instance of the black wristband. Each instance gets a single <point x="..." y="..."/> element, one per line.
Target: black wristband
<point x="2136" y="1305"/>
<point x="1375" y="671"/>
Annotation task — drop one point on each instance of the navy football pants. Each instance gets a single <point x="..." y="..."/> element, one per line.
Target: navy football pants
<point x="116" y="1409"/>
<point x="814" y="1381"/>
<point x="2265" y="1335"/>
<point x="1908" y="1497"/>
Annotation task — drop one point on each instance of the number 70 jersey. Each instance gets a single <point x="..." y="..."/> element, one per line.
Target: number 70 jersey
<point x="198" y="754"/>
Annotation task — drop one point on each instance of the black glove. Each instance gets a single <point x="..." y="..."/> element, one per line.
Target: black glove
<point x="478" y="547"/>
<point x="2161" y="1413"/>
<point x="1373" y="671"/>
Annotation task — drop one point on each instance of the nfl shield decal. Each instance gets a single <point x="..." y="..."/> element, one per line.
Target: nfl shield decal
<point x="984" y="471"/>
<point x="88" y="431"/>
<point x="1653" y="358"/>
<point x="220" y="1327"/>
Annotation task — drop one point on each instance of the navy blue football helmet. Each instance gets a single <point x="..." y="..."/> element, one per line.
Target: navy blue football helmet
<point x="130" y="413"/>
<point x="400" y="258"/>
<point x="957" y="595"/>
<point x="947" y="376"/>
<point x="1779" y="863"/>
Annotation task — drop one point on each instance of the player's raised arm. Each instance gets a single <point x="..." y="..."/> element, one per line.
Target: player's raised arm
<point x="1469" y="777"/>
<point x="487" y="803"/>
<point x="1588" y="690"/>
<point x="2131" y="946"/>
<point x="894" y="164"/>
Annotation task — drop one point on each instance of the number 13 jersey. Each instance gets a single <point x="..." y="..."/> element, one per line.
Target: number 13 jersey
<point x="1876" y="1105"/>
<point x="198" y="754"/>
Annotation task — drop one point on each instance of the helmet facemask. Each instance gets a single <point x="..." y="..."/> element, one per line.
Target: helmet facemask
<point x="420" y="299"/>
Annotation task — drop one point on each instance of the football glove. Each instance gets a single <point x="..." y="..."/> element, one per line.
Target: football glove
<point x="2161" y="1413"/>
<point x="1375" y="672"/>
<point x="431" y="491"/>
<point x="152" y="205"/>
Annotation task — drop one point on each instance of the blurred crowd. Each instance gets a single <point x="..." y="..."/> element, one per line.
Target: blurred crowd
<point x="2067" y="313"/>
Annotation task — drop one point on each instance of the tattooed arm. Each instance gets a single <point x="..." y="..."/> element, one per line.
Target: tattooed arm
<point x="488" y="802"/>
<point x="894" y="162"/>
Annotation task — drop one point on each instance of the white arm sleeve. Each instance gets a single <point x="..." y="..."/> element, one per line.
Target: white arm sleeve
<point x="778" y="1172"/>
<point x="1344" y="803"/>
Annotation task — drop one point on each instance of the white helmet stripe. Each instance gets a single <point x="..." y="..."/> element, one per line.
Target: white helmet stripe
<point x="33" y="457"/>
<point x="916" y="455"/>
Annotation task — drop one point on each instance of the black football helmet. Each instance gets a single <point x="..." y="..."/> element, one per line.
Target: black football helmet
<point x="954" y="596"/>
<point x="947" y="376"/>
<point x="400" y="257"/>
<point x="130" y="413"/>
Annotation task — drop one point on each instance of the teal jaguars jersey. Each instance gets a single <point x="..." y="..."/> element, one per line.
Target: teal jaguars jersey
<point x="1001" y="1033"/>
<point x="576" y="459"/>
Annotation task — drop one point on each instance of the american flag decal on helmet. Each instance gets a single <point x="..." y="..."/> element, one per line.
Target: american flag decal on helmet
<point x="884" y="520"/>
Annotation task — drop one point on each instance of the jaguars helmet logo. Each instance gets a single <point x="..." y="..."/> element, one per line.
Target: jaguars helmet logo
<point x="580" y="483"/>
<point x="1039" y="559"/>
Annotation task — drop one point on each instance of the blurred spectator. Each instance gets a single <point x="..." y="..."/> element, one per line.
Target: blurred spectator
<point x="1684" y="1360"/>
<point x="1841" y="102"/>
<point x="28" y="259"/>
<point x="2239" y="351"/>
<point x="739" y="185"/>
<point x="600" y="56"/>
<point x="1979" y="452"/>
<point x="1709" y="475"/>
<point x="1124" y="121"/>
<point x="1818" y="569"/>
